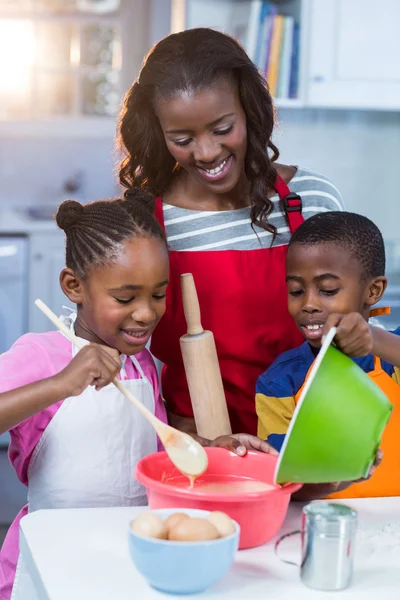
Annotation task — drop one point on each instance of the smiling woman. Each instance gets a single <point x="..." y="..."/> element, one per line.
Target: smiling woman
<point x="196" y="129"/>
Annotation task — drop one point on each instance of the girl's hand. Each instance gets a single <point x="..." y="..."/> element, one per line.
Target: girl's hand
<point x="353" y="336"/>
<point x="95" y="365"/>
<point x="239" y="443"/>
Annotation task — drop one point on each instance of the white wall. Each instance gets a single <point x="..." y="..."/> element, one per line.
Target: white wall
<point x="359" y="151"/>
<point x="32" y="171"/>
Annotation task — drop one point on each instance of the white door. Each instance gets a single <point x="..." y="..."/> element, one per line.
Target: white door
<point x="354" y="54"/>
<point x="47" y="259"/>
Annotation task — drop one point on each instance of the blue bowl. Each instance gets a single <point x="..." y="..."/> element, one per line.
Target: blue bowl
<point x="183" y="567"/>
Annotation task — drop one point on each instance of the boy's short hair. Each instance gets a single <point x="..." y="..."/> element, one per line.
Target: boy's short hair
<point x="357" y="234"/>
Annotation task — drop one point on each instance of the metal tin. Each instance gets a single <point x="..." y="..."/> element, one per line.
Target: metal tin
<point x="328" y="540"/>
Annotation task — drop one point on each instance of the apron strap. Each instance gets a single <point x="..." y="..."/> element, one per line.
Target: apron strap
<point x="291" y="204"/>
<point x="158" y="211"/>
<point x="379" y="312"/>
<point x="138" y="366"/>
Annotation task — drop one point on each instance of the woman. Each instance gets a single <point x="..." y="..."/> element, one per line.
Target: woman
<point x="196" y="129"/>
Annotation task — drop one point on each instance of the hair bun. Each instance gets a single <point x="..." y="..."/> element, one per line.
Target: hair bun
<point x="69" y="213"/>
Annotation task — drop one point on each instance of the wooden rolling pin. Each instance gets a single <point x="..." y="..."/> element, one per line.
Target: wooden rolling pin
<point x="202" y="369"/>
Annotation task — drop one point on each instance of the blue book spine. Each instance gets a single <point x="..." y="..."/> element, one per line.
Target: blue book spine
<point x="295" y="62"/>
<point x="265" y="8"/>
<point x="271" y="23"/>
<point x="267" y="35"/>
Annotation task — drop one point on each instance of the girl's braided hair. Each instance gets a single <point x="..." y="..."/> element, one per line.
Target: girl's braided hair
<point x="96" y="232"/>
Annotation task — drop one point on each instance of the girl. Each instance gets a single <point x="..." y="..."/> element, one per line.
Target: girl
<point x="196" y="129"/>
<point x="75" y="445"/>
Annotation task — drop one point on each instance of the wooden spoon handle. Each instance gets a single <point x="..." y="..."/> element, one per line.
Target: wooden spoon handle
<point x="191" y="305"/>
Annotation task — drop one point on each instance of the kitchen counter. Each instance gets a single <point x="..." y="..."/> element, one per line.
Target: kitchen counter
<point x="83" y="554"/>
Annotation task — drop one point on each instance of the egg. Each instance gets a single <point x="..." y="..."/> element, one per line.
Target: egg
<point x="150" y="525"/>
<point x="174" y="519"/>
<point x="193" y="530"/>
<point x="222" y="523"/>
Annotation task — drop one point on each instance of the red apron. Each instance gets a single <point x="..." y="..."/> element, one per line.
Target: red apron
<point x="243" y="301"/>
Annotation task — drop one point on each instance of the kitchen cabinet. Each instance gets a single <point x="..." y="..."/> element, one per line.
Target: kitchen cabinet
<point x="46" y="260"/>
<point x="354" y="54"/>
<point x="13" y="494"/>
<point x="246" y="21"/>
<point x="73" y="61"/>
<point x="348" y="50"/>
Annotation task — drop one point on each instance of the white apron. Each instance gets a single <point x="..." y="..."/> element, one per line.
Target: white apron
<point x="87" y="455"/>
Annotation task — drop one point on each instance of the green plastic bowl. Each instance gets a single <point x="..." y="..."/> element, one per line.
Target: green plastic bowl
<point x="337" y="425"/>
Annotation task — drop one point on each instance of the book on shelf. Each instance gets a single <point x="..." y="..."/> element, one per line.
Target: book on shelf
<point x="274" y="59"/>
<point x="285" y="65"/>
<point x="272" y="43"/>
<point x="294" y="71"/>
<point x="264" y="33"/>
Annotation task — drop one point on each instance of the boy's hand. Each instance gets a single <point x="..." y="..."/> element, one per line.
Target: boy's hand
<point x="316" y="491"/>
<point x="95" y="365"/>
<point x="353" y="335"/>
<point x="239" y="443"/>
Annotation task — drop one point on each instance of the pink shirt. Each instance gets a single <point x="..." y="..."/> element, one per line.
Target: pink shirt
<point x="34" y="357"/>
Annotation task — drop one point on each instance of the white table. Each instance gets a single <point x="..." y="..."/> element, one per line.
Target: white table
<point x="83" y="554"/>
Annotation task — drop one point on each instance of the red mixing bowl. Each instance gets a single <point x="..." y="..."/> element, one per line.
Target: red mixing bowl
<point x="260" y="514"/>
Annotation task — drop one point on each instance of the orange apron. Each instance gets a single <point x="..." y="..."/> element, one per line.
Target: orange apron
<point x="386" y="479"/>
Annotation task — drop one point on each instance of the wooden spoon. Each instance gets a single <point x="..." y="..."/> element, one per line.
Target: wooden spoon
<point x="188" y="456"/>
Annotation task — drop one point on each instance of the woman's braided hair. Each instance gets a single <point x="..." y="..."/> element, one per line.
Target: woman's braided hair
<point x="191" y="61"/>
<point x="96" y="232"/>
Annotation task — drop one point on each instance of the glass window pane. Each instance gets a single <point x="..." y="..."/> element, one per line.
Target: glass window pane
<point x="56" y="44"/>
<point x="54" y="94"/>
<point x="98" y="6"/>
<point x="17" y="53"/>
<point x="57" y="6"/>
<point x="101" y="93"/>
<point x="16" y="97"/>
<point x="89" y="6"/>
<point x="15" y="6"/>
<point x="60" y="6"/>
<point x="101" y="46"/>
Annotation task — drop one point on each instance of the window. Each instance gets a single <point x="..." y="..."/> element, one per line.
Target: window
<point x="59" y="59"/>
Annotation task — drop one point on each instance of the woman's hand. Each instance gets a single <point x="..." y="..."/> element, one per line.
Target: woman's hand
<point x="95" y="365"/>
<point x="239" y="443"/>
<point x="315" y="491"/>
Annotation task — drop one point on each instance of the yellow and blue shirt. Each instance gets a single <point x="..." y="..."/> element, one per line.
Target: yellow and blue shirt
<point x="277" y="387"/>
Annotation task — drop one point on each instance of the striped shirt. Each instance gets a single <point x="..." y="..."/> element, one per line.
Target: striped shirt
<point x="193" y="230"/>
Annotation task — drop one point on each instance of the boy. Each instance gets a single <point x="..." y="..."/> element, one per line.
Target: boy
<point x="335" y="273"/>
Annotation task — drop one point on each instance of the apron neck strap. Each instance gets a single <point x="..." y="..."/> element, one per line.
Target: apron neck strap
<point x="158" y="211"/>
<point x="291" y="204"/>
<point x="138" y="366"/>
<point x="379" y="312"/>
